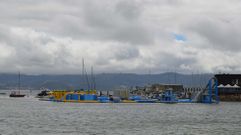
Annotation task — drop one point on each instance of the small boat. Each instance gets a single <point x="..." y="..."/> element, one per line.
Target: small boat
<point x="43" y="93"/>
<point x="2" y="93"/>
<point x="17" y="93"/>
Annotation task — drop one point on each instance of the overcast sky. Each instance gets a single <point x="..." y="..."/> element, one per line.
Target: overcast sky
<point x="51" y="37"/>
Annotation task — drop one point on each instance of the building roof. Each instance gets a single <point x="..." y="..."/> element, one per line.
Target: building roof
<point x="228" y="86"/>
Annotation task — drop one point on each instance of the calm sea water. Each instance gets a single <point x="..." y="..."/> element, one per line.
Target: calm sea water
<point x="28" y="116"/>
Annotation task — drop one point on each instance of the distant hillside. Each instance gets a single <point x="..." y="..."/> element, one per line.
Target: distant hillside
<point x="103" y="81"/>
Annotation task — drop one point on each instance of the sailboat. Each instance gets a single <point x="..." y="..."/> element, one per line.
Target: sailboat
<point x="17" y="93"/>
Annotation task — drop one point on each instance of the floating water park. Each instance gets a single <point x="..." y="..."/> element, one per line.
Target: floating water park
<point x="207" y="95"/>
<point x="170" y="94"/>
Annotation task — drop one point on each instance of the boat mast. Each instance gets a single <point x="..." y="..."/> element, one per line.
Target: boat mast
<point x="87" y="79"/>
<point x="83" y="66"/>
<point x="175" y="76"/>
<point x="83" y="73"/>
<point x="19" y="81"/>
<point x="94" y="82"/>
<point x="92" y="79"/>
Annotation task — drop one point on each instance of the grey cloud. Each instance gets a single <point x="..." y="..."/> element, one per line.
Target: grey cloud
<point x="221" y="35"/>
<point x="31" y="52"/>
<point x="126" y="53"/>
<point x="118" y="21"/>
<point x="129" y="9"/>
<point x="170" y="62"/>
<point x="115" y="24"/>
<point x="227" y="68"/>
<point x="119" y="36"/>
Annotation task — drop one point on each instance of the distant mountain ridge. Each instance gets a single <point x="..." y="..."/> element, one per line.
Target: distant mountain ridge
<point x="105" y="81"/>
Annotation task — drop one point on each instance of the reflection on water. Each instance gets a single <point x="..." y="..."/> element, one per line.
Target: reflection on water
<point x="28" y="116"/>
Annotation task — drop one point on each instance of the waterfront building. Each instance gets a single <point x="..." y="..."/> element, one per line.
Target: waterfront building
<point x="229" y="87"/>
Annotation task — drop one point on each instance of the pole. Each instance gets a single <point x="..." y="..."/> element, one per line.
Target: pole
<point x="92" y="79"/>
<point x="19" y="82"/>
<point x="192" y="80"/>
<point x="175" y="77"/>
<point x="83" y="73"/>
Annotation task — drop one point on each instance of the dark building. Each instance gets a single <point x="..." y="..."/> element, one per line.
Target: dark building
<point x="229" y="86"/>
<point x="230" y="79"/>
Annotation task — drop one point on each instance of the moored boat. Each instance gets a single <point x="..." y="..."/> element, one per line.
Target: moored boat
<point x="44" y="93"/>
<point x="16" y="94"/>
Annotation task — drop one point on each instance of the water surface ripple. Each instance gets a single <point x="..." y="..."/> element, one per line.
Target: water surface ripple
<point x="28" y="116"/>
